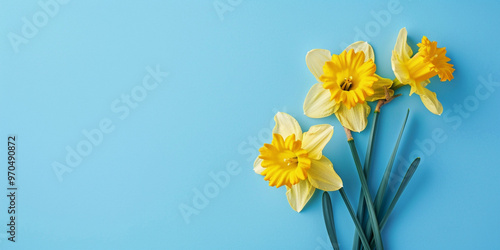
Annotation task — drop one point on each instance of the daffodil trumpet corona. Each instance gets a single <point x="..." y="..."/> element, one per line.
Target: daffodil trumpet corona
<point x="346" y="82"/>
<point x="417" y="70"/>
<point x="295" y="160"/>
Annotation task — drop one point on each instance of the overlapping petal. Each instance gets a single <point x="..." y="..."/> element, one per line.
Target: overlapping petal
<point x="315" y="140"/>
<point x="379" y="89"/>
<point x="315" y="59"/>
<point x="429" y="99"/>
<point x="257" y="167"/>
<point x="363" y="46"/>
<point x="400" y="70"/>
<point x="400" y="55"/>
<point x="323" y="176"/>
<point x="354" y="119"/>
<point x="318" y="103"/>
<point x="287" y="125"/>
<point x="402" y="49"/>
<point x="299" y="194"/>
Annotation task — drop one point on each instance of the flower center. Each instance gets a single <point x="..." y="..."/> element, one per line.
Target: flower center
<point x="349" y="77"/>
<point x="346" y="84"/>
<point x="291" y="161"/>
<point x="284" y="161"/>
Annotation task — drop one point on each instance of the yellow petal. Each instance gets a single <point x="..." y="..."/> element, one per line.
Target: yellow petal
<point x="315" y="59"/>
<point x="430" y="100"/>
<point x="396" y="84"/>
<point x="322" y="175"/>
<point x="379" y="89"/>
<point x="318" y="103"/>
<point x="257" y="167"/>
<point x="424" y="83"/>
<point x="287" y="125"/>
<point x="362" y="46"/>
<point x="354" y="119"/>
<point x="299" y="194"/>
<point x="401" y="53"/>
<point x="402" y="48"/>
<point x="400" y="70"/>
<point x="315" y="140"/>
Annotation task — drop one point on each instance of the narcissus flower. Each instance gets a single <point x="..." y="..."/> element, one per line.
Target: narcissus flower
<point x="295" y="160"/>
<point x="346" y="82"/>
<point x="417" y="70"/>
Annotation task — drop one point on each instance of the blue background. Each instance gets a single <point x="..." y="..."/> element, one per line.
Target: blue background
<point x="229" y="73"/>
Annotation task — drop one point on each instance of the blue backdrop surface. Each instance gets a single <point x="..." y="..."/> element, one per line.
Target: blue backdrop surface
<point x="137" y="123"/>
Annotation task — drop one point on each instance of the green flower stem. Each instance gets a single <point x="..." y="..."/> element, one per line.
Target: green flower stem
<point x="364" y="241"/>
<point x="379" y="198"/>
<point x="361" y="203"/>
<point x="366" y="193"/>
<point x="329" y="222"/>
<point x="409" y="173"/>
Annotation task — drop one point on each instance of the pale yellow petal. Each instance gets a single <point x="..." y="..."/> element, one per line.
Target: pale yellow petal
<point x="299" y="194"/>
<point x="354" y="119"/>
<point x="315" y="59"/>
<point x="287" y="125"/>
<point x="318" y="103"/>
<point x="424" y="83"/>
<point x="402" y="48"/>
<point x="397" y="84"/>
<point x="316" y="139"/>
<point x="430" y="100"/>
<point x="400" y="55"/>
<point x="415" y="87"/>
<point x="257" y="166"/>
<point x="322" y="175"/>
<point x="400" y="70"/>
<point x="379" y="89"/>
<point x="363" y="46"/>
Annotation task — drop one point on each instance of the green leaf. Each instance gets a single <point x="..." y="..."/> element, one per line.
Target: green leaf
<point x="379" y="198"/>
<point x="361" y="203"/>
<point x="369" y="203"/>
<point x="409" y="173"/>
<point x="329" y="222"/>
<point x="361" y="234"/>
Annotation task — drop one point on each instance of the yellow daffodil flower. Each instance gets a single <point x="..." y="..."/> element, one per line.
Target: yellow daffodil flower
<point x="295" y="160"/>
<point x="346" y="82"/>
<point x="417" y="70"/>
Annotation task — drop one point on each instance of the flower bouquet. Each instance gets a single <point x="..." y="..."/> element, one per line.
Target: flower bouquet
<point x="346" y="83"/>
